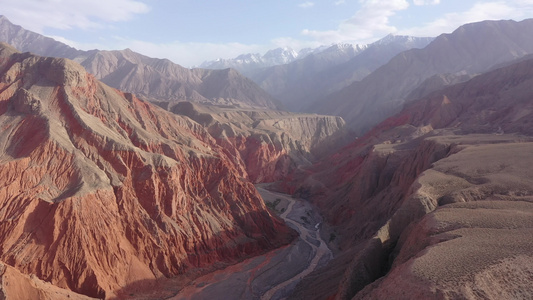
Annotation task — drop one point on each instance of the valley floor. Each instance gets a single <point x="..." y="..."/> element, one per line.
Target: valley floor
<point x="275" y="274"/>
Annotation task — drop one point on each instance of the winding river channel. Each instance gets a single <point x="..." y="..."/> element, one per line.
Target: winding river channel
<point x="274" y="274"/>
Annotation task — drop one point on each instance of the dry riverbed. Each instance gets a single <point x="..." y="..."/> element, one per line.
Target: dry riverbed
<point x="275" y="274"/>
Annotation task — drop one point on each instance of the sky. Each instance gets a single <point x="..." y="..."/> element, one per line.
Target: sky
<point x="189" y="32"/>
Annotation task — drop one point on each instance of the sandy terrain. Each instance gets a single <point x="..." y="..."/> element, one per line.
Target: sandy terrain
<point x="274" y="275"/>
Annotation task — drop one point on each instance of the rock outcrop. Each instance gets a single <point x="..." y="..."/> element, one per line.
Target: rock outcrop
<point x="268" y="144"/>
<point x="101" y="191"/>
<point x="15" y="285"/>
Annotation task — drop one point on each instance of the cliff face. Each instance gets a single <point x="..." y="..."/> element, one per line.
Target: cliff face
<point x="465" y="231"/>
<point x="268" y="145"/>
<point x="465" y="143"/>
<point x="15" y="285"/>
<point x="102" y="190"/>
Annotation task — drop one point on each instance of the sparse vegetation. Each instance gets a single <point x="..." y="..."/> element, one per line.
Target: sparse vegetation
<point x="272" y="205"/>
<point x="332" y="237"/>
<point x="304" y="218"/>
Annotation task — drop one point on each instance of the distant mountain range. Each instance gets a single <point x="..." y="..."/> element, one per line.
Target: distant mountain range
<point x="300" y="83"/>
<point x="298" y="79"/>
<point x="469" y="50"/>
<point x="150" y="78"/>
<point x="250" y="63"/>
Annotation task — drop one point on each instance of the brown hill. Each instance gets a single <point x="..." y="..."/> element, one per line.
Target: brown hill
<point x="470" y="142"/>
<point x="471" y="49"/>
<point x="162" y="80"/>
<point x="102" y="191"/>
<point x="268" y="144"/>
<point x="151" y="78"/>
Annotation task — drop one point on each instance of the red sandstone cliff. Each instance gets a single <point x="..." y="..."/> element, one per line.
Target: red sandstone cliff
<point x="101" y="190"/>
<point x="267" y="144"/>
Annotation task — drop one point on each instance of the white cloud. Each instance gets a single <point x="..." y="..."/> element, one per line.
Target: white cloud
<point x="370" y="22"/>
<point x="339" y="2"/>
<point x="426" y="2"/>
<point x="306" y="4"/>
<point x="36" y="15"/>
<point x="480" y="11"/>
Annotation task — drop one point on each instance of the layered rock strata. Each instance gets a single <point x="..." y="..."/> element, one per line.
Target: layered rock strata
<point x="268" y="144"/>
<point x="101" y="190"/>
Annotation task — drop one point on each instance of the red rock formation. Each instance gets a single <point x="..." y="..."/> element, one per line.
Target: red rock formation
<point x="16" y="285"/>
<point x="101" y="190"/>
<point x="378" y="188"/>
<point x="268" y="144"/>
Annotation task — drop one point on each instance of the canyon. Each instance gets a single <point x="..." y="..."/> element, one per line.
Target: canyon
<point x="434" y="183"/>
<point x="93" y="181"/>
<point x="128" y="177"/>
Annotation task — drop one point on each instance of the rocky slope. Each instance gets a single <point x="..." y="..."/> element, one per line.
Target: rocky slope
<point x="306" y="80"/>
<point x="26" y="40"/>
<point x="269" y="144"/>
<point x="471" y="49"/>
<point x="470" y="142"/>
<point x="160" y="79"/>
<point x="477" y="243"/>
<point x="15" y="285"/>
<point x="102" y="191"/>
<point x="259" y="153"/>
<point x="292" y="82"/>
<point x="150" y="78"/>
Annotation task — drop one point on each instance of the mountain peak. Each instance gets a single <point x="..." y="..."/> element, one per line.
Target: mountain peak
<point x="394" y="38"/>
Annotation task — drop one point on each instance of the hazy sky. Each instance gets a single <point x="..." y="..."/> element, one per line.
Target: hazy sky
<point x="191" y="31"/>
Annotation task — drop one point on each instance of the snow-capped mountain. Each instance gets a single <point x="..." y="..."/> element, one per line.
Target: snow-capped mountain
<point x="279" y="56"/>
<point x="304" y="80"/>
<point x="251" y="62"/>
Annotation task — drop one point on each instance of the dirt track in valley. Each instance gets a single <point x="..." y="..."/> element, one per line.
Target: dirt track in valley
<point x="275" y="274"/>
<point x="306" y="235"/>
